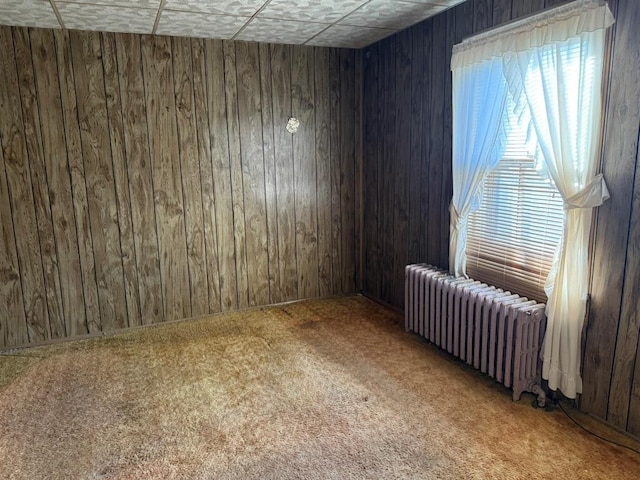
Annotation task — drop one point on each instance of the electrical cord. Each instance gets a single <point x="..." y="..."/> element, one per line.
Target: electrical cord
<point x="593" y="433"/>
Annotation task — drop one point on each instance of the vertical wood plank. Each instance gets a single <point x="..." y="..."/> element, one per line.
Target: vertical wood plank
<point x="33" y="140"/>
<point x="624" y="399"/>
<point x="59" y="180"/>
<point x="302" y="100"/>
<point x="323" y="169"/>
<point x="436" y="152"/>
<point x="612" y="229"/>
<point x="348" y="171"/>
<point x="358" y="139"/>
<point x="78" y="186"/>
<point x="270" y="181"/>
<point x="520" y="8"/>
<point x="253" y="172"/>
<point x="371" y="280"/>
<point x="402" y="154"/>
<point x="121" y="177"/>
<point x="206" y="172"/>
<point x="138" y="165"/>
<point x="235" y="163"/>
<point x="12" y="320"/>
<point x="386" y="165"/>
<point x="283" y="148"/>
<point x="165" y="167"/>
<point x="21" y="198"/>
<point x="616" y="215"/>
<point x="221" y="173"/>
<point x="139" y="178"/>
<point x="335" y="132"/>
<point x="96" y="147"/>
<point x="501" y="11"/>
<point x="482" y="17"/>
<point x="190" y="170"/>
<point x="418" y="89"/>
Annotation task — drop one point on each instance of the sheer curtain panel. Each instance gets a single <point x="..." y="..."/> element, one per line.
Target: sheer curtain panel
<point x="478" y="143"/>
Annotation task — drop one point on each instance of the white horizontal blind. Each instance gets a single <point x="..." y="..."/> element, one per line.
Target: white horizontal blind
<point x="512" y="237"/>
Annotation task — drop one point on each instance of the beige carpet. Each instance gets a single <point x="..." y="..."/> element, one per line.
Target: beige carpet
<point x="327" y="389"/>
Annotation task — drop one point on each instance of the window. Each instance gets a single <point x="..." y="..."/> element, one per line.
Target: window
<point x="552" y="64"/>
<point x="512" y="237"/>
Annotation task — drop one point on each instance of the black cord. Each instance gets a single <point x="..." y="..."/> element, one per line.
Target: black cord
<point x="595" y="434"/>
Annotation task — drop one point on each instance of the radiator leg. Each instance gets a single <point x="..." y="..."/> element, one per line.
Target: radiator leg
<point x="536" y="389"/>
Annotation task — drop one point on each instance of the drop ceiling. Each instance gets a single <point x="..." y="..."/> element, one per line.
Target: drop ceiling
<point x="332" y="23"/>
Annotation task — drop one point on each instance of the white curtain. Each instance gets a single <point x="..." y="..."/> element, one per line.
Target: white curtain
<point x="565" y="106"/>
<point x="561" y="84"/>
<point x="478" y="145"/>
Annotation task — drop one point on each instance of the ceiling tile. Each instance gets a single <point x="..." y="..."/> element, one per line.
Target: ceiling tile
<point x="104" y="18"/>
<point x="243" y="8"/>
<point x="120" y="3"/>
<point x="28" y="13"/>
<point x="390" y="14"/>
<point x="279" y="31"/>
<point x="323" y="11"/>
<point x="189" y="24"/>
<point x="349" y="37"/>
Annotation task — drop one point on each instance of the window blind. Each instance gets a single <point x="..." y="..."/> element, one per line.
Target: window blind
<point x="512" y="237"/>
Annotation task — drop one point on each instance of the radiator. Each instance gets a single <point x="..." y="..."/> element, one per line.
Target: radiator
<point x="495" y="331"/>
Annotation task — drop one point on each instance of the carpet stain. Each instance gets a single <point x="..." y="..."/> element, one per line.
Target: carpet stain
<point x="317" y="389"/>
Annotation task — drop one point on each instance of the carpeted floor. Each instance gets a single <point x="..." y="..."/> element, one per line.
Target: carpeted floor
<point x="325" y="389"/>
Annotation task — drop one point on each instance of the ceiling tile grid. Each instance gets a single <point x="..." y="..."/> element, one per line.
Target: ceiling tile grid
<point x="109" y="18"/>
<point x="348" y="36"/>
<point x="241" y="8"/>
<point x="270" y="30"/>
<point x="28" y="13"/>
<point x="391" y="15"/>
<point x="331" y="23"/>
<point x="197" y="24"/>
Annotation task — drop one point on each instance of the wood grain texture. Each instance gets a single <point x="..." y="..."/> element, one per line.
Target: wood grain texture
<point x="436" y="145"/>
<point x="206" y="172"/>
<point x="13" y="327"/>
<point x="501" y="11"/>
<point x="611" y="343"/>
<point x="190" y="172"/>
<point x="358" y="142"/>
<point x="253" y="172"/>
<point x="521" y="8"/>
<point x="21" y="197"/>
<point x="371" y="72"/>
<point x="283" y="148"/>
<point x="235" y="164"/>
<point x="323" y="170"/>
<point x="625" y="384"/>
<point x="167" y="182"/>
<point x="304" y="171"/>
<point x="221" y="174"/>
<point x="270" y="179"/>
<point x="121" y="177"/>
<point x="335" y="131"/>
<point x="139" y="176"/>
<point x="78" y="186"/>
<point x="103" y="212"/>
<point x="33" y="139"/>
<point x="58" y="179"/>
<point x="348" y="189"/>
<point x="147" y="179"/>
<point x="402" y="137"/>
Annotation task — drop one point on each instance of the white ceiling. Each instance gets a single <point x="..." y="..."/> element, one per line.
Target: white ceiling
<point x="332" y="23"/>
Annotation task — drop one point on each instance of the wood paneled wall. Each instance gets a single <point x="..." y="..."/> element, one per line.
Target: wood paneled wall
<point x="407" y="184"/>
<point x="147" y="178"/>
